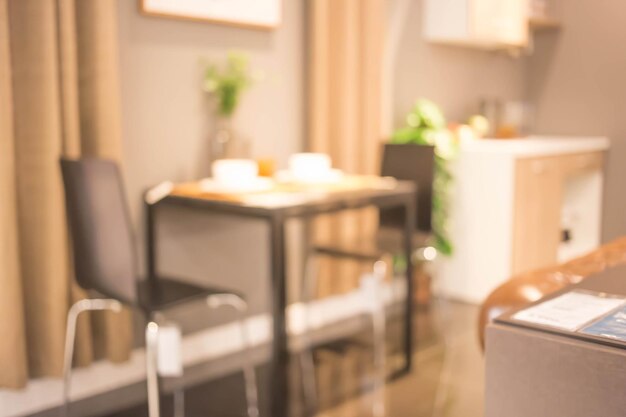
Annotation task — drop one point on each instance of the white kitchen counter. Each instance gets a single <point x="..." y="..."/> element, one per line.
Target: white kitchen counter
<point x="483" y="208"/>
<point x="538" y="145"/>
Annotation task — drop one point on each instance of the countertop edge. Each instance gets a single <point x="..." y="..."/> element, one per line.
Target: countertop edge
<point x="538" y="145"/>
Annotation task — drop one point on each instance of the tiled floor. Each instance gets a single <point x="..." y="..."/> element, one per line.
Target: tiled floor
<point x="447" y="380"/>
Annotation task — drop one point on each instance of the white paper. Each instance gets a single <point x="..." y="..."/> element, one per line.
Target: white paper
<point x="569" y="311"/>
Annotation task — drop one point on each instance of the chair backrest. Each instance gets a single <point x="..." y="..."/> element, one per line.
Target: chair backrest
<point x="100" y="230"/>
<point x="414" y="163"/>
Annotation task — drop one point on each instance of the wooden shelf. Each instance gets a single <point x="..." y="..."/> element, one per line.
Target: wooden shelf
<point x="543" y="23"/>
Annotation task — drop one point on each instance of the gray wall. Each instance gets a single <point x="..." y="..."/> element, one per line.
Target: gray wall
<point x="456" y="78"/>
<point x="167" y="117"/>
<point x="167" y="124"/>
<point x="577" y="80"/>
<point x="167" y="120"/>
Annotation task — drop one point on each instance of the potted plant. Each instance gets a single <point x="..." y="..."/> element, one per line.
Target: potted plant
<point x="226" y="85"/>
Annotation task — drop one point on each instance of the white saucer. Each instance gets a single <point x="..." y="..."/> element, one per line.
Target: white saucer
<point x="331" y="176"/>
<point x="257" y="185"/>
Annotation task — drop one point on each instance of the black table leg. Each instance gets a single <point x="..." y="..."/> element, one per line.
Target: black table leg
<point x="279" y="396"/>
<point x="151" y="243"/>
<point x="409" y="227"/>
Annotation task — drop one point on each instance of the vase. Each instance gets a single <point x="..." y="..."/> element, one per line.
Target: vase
<point x="226" y="142"/>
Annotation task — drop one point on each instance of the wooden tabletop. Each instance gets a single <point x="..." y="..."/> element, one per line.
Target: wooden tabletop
<point x="289" y="191"/>
<point x="298" y="198"/>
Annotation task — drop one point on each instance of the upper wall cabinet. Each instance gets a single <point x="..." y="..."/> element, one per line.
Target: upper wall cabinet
<point x="487" y="24"/>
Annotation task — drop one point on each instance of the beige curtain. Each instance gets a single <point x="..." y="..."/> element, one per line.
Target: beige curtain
<point x="345" y="81"/>
<point x="58" y="96"/>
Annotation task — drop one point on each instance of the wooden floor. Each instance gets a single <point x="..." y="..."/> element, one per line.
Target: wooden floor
<point x="447" y="380"/>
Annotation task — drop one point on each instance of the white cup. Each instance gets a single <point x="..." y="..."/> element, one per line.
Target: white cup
<point x="235" y="173"/>
<point x="309" y="166"/>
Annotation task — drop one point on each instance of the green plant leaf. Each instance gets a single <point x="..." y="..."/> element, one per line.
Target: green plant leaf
<point x="429" y="114"/>
<point x="227" y="84"/>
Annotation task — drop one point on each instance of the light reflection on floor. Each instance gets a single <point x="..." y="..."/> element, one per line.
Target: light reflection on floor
<point x="447" y="380"/>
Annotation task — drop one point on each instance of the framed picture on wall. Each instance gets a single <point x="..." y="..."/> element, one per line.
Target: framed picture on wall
<point x="254" y="14"/>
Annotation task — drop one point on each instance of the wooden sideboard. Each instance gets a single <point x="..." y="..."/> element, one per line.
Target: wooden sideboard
<point x="519" y="205"/>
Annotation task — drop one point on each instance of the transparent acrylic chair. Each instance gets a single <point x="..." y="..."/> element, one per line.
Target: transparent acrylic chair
<point x="408" y="162"/>
<point x="374" y="307"/>
<point x="105" y="264"/>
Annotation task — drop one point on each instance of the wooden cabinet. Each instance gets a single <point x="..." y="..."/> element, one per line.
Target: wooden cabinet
<point x="540" y="198"/>
<point x="513" y="204"/>
<point x="537" y="224"/>
<point x="577" y="164"/>
<point x="489" y="24"/>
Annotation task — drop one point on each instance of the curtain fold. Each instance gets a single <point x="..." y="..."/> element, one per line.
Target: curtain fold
<point x="345" y="81"/>
<point x="13" y="346"/>
<point x="58" y="96"/>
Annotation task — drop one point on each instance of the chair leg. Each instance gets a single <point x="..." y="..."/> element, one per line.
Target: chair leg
<point x="239" y="304"/>
<point x="379" y="335"/>
<point x="179" y="401"/>
<point x="152" y="377"/>
<point x="307" y="361"/>
<point x="442" y="318"/>
<point x="70" y="338"/>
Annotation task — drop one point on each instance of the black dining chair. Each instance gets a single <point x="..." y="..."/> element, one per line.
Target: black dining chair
<point x="408" y="162"/>
<point x="105" y="264"/>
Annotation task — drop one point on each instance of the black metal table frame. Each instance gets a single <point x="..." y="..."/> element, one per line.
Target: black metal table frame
<point x="276" y="217"/>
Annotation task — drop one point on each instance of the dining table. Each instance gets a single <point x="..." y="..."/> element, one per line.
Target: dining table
<point x="275" y="206"/>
